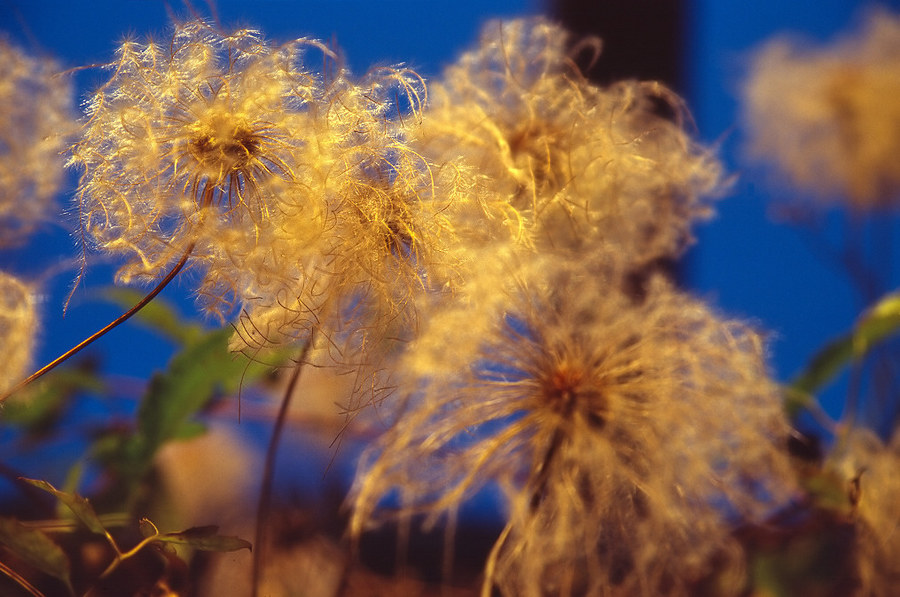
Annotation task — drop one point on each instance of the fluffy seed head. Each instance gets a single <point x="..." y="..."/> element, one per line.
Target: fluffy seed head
<point x="362" y="233"/>
<point x="189" y="139"/>
<point x="18" y="329"/>
<point x="626" y="436"/>
<point x="35" y="123"/>
<point x="872" y="472"/>
<point x="584" y="166"/>
<point x="827" y="117"/>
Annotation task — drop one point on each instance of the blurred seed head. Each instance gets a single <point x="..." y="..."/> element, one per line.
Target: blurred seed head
<point x="18" y="325"/>
<point x="36" y="122"/>
<point x="826" y="117"/>
<point x="871" y="469"/>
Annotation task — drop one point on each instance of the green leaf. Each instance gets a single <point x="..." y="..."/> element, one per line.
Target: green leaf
<point x="174" y="396"/>
<point x="874" y="326"/>
<point x="878" y="324"/>
<point x="194" y="376"/>
<point x="190" y="430"/>
<point x="242" y="371"/>
<point x="202" y="369"/>
<point x="36" y="549"/>
<point x="79" y="506"/>
<point x="826" y="364"/>
<point x="159" y="315"/>
<point x="206" y="539"/>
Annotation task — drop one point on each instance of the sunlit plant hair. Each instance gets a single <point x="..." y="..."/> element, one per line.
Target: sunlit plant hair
<point x="18" y="329"/>
<point x="188" y="137"/>
<point x="365" y="231"/>
<point x="36" y="121"/>
<point x="585" y="166"/>
<point x="827" y="117"/>
<point x="627" y="438"/>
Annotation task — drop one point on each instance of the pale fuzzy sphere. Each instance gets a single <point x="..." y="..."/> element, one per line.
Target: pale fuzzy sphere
<point x="584" y="166"/>
<point x="627" y="435"/>
<point x="36" y="122"/>
<point x="18" y="329"/>
<point x="829" y="117"/>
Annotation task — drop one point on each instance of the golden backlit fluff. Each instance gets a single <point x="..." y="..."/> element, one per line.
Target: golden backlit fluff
<point x="583" y="166"/>
<point x="35" y="124"/>
<point x="871" y="469"/>
<point x="626" y="437"/>
<point x="827" y="117"/>
<point x="190" y="141"/>
<point x="363" y="230"/>
<point x="18" y="322"/>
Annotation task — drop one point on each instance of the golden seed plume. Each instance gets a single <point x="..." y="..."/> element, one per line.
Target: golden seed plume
<point x="190" y="140"/>
<point x="626" y="437"/>
<point x="584" y="166"/>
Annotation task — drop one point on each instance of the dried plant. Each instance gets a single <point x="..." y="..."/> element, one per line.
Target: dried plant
<point x="471" y="267"/>
<point x="191" y="140"/>
<point x="869" y="467"/>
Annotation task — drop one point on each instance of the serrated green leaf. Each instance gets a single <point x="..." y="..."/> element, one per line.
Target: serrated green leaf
<point x="195" y="374"/>
<point x="36" y="549"/>
<point x="79" y="506"/>
<point x="244" y="371"/>
<point x="159" y="315"/>
<point x="206" y="539"/>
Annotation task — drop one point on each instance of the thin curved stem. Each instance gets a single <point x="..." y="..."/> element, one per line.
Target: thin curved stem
<point x="20" y="580"/>
<point x="268" y="478"/>
<point x="490" y="566"/>
<point x="206" y="199"/>
<point x="101" y="332"/>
